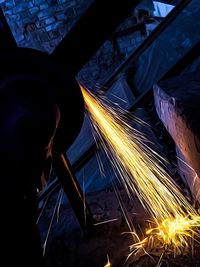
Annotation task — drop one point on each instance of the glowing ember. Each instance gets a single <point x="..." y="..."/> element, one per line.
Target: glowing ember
<point x="176" y="231"/>
<point x="172" y="234"/>
<point x="141" y="170"/>
<point x="108" y="264"/>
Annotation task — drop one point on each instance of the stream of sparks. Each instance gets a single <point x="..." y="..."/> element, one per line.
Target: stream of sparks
<point x="142" y="173"/>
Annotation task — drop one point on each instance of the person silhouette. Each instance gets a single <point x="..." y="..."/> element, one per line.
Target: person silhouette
<point x="36" y="99"/>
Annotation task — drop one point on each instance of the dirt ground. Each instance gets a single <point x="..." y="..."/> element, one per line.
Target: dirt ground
<point x="67" y="246"/>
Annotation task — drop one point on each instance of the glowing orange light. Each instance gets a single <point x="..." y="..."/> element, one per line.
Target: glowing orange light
<point x="108" y="264"/>
<point x="141" y="171"/>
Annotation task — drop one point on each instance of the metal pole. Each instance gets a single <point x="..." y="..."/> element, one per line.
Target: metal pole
<point x="148" y="41"/>
<point x="91" y="31"/>
<point x="175" y="70"/>
<point x="74" y="193"/>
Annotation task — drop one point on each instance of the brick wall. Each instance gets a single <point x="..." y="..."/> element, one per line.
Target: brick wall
<point x="41" y="24"/>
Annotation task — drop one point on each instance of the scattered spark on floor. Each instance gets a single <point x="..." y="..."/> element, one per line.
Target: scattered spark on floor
<point x="59" y="204"/>
<point x="141" y="170"/>
<point x="107" y="221"/>
<point x="52" y="219"/>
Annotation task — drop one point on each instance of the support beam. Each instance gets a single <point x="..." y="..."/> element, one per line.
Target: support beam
<point x="79" y="45"/>
<point x="74" y="193"/>
<point x="148" y="41"/>
<point x="90" y="32"/>
<point x="175" y="70"/>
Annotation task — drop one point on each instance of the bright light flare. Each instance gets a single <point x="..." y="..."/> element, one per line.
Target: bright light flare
<point x="172" y="234"/>
<point x="108" y="264"/>
<point x="176" y="232"/>
<point x="141" y="171"/>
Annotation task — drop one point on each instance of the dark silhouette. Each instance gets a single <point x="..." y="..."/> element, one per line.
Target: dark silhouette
<point x="39" y="119"/>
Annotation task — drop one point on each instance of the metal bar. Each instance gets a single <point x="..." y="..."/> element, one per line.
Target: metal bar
<point x="137" y="27"/>
<point x="148" y="41"/>
<point x="187" y="59"/>
<point x="54" y="185"/>
<point x="7" y="40"/>
<point x="175" y="70"/>
<point x="90" y="31"/>
<point x="74" y="193"/>
<point x="73" y="52"/>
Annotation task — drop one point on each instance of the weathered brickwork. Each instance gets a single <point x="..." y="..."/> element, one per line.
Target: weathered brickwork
<point x="41" y="24"/>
